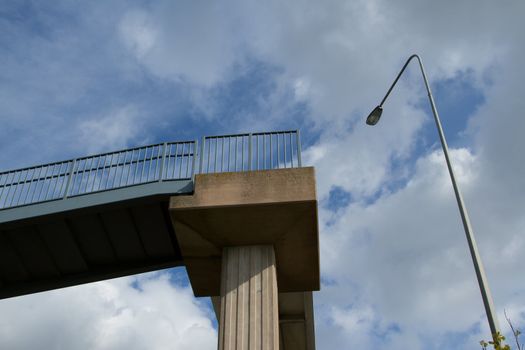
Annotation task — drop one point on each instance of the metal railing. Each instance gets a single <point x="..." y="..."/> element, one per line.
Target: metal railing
<point x="244" y="152"/>
<point x="159" y="162"/>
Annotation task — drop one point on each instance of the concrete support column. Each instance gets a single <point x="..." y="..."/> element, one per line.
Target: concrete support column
<point x="249" y="317"/>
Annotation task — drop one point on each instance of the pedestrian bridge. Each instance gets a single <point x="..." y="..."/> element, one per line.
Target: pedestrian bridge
<point x="106" y="215"/>
<point x="171" y="204"/>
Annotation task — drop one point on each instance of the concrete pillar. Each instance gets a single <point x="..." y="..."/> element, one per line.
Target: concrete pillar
<point x="249" y="317"/>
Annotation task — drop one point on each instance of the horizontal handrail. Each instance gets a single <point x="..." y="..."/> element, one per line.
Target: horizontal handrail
<point x="169" y="161"/>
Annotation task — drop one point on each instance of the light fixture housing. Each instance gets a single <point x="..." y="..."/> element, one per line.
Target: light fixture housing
<point x="374" y="116"/>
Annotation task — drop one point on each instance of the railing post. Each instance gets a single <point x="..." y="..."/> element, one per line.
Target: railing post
<point x="70" y="177"/>
<point x="165" y="146"/>
<point x="250" y="151"/>
<point x="201" y="155"/>
<point x="195" y="147"/>
<point x="298" y="137"/>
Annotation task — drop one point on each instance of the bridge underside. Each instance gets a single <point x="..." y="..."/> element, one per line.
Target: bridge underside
<point x="80" y="244"/>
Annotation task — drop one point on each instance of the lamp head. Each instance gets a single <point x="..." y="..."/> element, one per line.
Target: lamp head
<point x="374" y="116"/>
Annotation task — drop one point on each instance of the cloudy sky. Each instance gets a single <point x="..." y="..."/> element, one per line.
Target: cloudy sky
<point x="80" y="77"/>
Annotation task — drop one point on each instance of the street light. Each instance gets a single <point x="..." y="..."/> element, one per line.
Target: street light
<point x="372" y="119"/>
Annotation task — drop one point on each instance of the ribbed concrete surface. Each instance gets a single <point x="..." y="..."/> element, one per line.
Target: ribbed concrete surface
<point x="249" y="317"/>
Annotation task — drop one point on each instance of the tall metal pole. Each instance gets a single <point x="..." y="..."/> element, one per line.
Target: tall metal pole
<point x="476" y="259"/>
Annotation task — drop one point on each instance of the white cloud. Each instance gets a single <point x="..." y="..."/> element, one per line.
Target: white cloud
<point x="143" y="312"/>
<point x="408" y="254"/>
<point x="190" y="42"/>
<point x="110" y="132"/>
<point x="397" y="252"/>
<point x="139" y="32"/>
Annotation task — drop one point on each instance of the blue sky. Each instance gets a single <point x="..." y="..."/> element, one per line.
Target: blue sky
<point x="85" y="77"/>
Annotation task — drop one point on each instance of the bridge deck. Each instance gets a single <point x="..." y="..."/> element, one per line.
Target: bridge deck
<point x="106" y="215"/>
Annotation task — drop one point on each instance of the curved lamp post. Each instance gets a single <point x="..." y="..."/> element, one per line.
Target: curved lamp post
<point x="372" y="119"/>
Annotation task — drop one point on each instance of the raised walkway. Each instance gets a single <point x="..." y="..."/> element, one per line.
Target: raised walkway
<point x="136" y="210"/>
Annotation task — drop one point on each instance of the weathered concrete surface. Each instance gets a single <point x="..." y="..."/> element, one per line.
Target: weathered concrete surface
<point x="249" y="317"/>
<point x="296" y="320"/>
<point x="270" y="207"/>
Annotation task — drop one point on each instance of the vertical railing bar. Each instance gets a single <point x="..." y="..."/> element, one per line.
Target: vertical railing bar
<point x="123" y="167"/>
<point x="168" y="160"/>
<point x="158" y="162"/>
<point x="143" y="164"/>
<point x="230" y="160"/>
<point x="97" y="168"/>
<point x="50" y="182"/>
<point x="57" y="180"/>
<point x="151" y="163"/>
<point x="66" y="178"/>
<point x="102" y="170"/>
<point x="181" y="160"/>
<point x="284" y="148"/>
<point x="250" y="151"/>
<point x="236" y="154"/>
<point x="2" y="186"/>
<point x="208" y="156"/>
<point x="201" y="155"/>
<point x="242" y="152"/>
<point x="116" y="170"/>
<point x="109" y="171"/>
<point x="16" y="193"/>
<point x="36" y="184"/>
<point x="162" y="165"/>
<point x="256" y="152"/>
<point x="216" y="147"/>
<point x="61" y="178"/>
<point x="44" y="187"/>
<point x="195" y="147"/>
<point x="23" y="185"/>
<point x="84" y="166"/>
<point x="278" y="153"/>
<point x="6" y="176"/>
<point x="134" y="179"/>
<point x="184" y="156"/>
<point x="130" y="168"/>
<point x="15" y="186"/>
<point x="271" y="151"/>
<point x="89" y="173"/>
<point x="291" y="150"/>
<point x="264" y="152"/>
<point x="33" y="183"/>
<point x="222" y="152"/>
<point x="188" y="164"/>
<point x="297" y="137"/>
<point x="176" y="157"/>
<point x="83" y="162"/>
<point x="28" y="189"/>
<point x="229" y="154"/>
<point x="11" y="185"/>
<point x="41" y="188"/>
